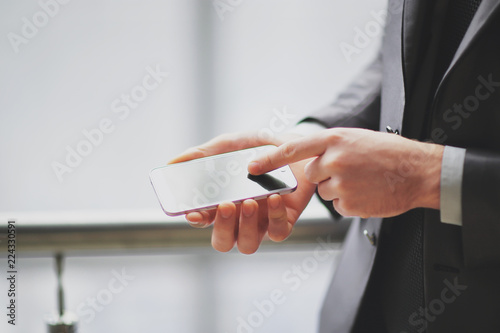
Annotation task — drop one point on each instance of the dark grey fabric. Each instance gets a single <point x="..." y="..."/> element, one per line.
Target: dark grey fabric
<point x="358" y="105"/>
<point x="400" y="271"/>
<point x="342" y="304"/>
<point x="458" y="17"/>
<point x="461" y="265"/>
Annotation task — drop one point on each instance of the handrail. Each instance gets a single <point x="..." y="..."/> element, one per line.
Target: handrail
<point x="50" y="232"/>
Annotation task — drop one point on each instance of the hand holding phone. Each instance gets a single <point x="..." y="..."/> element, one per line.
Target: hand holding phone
<point x="246" y="224"/>
<point x="203" y="184"/>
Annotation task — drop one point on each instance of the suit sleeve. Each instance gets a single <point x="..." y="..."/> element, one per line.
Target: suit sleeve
<point x="358" y="105"/>
<point x="481" y="208"/>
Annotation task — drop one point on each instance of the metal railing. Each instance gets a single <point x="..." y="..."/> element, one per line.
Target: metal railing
<point x="51" y="232"/>
<point x="95" y="233"/>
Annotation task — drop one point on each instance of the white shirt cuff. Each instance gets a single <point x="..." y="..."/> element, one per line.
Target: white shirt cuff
<point x="452" y="169"/>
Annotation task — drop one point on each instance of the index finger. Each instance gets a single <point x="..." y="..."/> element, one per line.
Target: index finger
<point x="287" y="153"/>
<point x="223" y="144"/>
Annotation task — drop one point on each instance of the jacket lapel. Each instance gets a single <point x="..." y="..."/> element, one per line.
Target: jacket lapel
<point x="484" y="13"/>
<point x="401" y="51"/>
<point x="393" y="94"/>
<point x="414" y="37"/>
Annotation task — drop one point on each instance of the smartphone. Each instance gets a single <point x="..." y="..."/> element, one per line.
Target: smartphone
<point x="206" y="182"/>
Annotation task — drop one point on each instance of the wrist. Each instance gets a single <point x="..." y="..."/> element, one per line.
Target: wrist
<point x="428" y="193"/>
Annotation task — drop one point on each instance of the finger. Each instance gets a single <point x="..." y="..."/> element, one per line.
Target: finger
<point x="223" y="236"/>
<point x="339" y="206"/>
<point x="201" y="219"/>
<point x="316" y="171"/>
<point x="335" y="204"/>
<point x="222" y="144"/>
<point x="290" y="152"/>
<point x="188" y="155"/>
<point x="328" y="189"/>
<point x="279" y="228"/>
<point x="248" y="232"/>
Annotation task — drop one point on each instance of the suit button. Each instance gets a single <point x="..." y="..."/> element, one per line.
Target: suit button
<point x="390" y="130"/>
<point x="371" y="237"/>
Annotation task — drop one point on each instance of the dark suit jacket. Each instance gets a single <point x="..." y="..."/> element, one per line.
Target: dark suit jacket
<point x="465" y="112"/>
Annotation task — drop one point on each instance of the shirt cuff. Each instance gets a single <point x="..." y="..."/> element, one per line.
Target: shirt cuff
<point x="452" y="169"/>
<point x="306" y="128"/>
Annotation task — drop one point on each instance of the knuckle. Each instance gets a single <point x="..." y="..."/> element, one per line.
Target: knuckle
<point x="325" y="191"/>
<point x="201" y="152"/>
<point x="268" y="160"/>
<point x="335" y="160"/>
<point x="334" y="135"/>
<point x="347" y="207"/>
<point x="288" y="150"/>
<point x="278" y="215"/>
<point x="340" y="185"/>
<point x="338" y="206"/>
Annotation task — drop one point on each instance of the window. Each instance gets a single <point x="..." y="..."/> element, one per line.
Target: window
<point x="93" y="94"/>
<point x="96" y="93"/>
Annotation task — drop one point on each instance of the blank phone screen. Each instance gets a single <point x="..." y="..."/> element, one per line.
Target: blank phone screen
<point x="207" y="182"/>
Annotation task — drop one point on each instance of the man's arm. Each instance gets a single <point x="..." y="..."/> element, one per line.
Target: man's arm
<point x="359" y="170"/>
<point x="359" y="106"/>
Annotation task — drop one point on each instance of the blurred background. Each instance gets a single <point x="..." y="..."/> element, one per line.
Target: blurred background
<point x="94" y="94"/>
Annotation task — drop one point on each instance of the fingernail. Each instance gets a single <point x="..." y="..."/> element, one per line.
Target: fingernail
<point x="225" y="212"/>
<point x="195" y="219"/>
<point x="254" y="167"/>
<point x="248" y="210"/>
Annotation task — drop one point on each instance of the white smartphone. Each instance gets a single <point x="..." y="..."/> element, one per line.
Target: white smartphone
<point x="206" y="182"/>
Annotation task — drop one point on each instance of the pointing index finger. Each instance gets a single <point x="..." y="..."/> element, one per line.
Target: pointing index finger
<point x="287" y="153"/>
